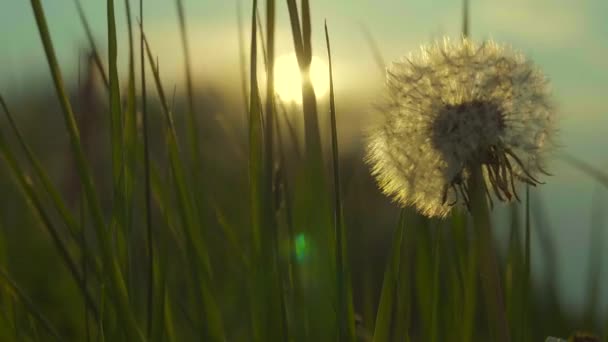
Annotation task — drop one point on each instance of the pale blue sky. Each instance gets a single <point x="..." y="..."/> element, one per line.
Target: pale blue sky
<point x="567" y="38"/>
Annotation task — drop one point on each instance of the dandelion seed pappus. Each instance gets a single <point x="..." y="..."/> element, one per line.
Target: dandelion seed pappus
<point x="453" y="107"/>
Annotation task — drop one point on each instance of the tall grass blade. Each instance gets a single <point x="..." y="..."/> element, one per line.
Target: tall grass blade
<point x="346" y="327"/>
<point x="435" y="308"/>
<point x="190" y="219"/>
<point x="193" y="126"/>
<point x="147" y="184"/>
<point x="594" y="263"/>
<point x="527" y="271"/>
<point x="116" y="120"/>
<point x="109" y="262"/>
<point x="32" y="197"/>
<point x="270" y="239"/>
<point x="87" y="29"/>
<point x="465" y="19"/>
<point x="389" y="285"/>
<point x="373" y="46"/>
<point x="30" y="306"/>
<point x="590" y="170"/>
<point x="53" y="192"/>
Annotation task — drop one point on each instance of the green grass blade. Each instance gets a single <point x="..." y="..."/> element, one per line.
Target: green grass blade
<point x="29" y="304"/>
<point x="373" y="46"/>
<point x="594" y="262"/>
<point x="465" y="18"/>
<point x="527" y="285"/>
<point x="590" y="170"/>
<point x="387" y="296"/>
<point x="56" y="197"/>
<point x="346" y="326"/>
<point x="92" y="45"/>
<point x="109" y="262"/>
<point x="32" y="197"/>
<point x="193" y="126"/>
<point x="147" y="183"/>
<point x="213" y="325"/>
<point x="116" y="119"/>
<point x="435" y="308"/>
<point x="256" y="190"/>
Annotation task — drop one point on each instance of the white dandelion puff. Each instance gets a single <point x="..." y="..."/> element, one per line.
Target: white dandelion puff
<point x="454" y="106"/>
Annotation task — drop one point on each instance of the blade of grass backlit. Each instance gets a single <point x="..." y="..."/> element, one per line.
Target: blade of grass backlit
<point x="193" y="127"/>
<point x="301" y="36"/>
<point x="92" y="45"/>
<point x="312" y="206"/>
<point x="373" y="46"/>
<point x="260" y="319"/>
<point x="130" y="151"/>
<point x="190" y="219"/>
<point x="30" y="306"/>
<point x="590" y="170"/>
<point x="242" y="56"/>
<point x="116" y="120"/>
<point x="346" y="326"/>
<point x="465" y="19"/>
<point x="389" y="285"/>
<point x="148" y="191"/>
<point x="109" y="262"/>
<point x="270" y="238"/>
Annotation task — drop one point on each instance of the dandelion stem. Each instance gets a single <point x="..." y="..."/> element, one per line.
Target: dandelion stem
<point x="488" y="264"/>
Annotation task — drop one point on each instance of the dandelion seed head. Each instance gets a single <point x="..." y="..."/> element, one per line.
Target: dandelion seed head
<point x="457" y="105"/>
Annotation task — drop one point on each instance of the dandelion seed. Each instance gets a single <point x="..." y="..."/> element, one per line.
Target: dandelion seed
<point x="454" y="106"/>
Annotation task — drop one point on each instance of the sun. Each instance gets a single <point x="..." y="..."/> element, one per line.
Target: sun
<point x="288" y="80"/>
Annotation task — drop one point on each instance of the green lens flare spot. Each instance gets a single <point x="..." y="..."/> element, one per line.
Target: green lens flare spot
<point x="302" y="247"/>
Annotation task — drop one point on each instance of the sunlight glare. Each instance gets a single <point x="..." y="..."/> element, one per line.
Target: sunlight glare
<point x="288" y="82"/>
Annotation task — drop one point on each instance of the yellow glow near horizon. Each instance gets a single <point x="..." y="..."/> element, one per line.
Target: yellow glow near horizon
<point x="288" y="80"/>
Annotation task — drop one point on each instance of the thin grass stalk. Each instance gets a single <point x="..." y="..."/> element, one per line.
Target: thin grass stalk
<point x="465" y="19"/>
<point x="373" y="46"/>
<point x="256" y="190"/>
<point x="302" y="36"/>
<point x="488" y="264"/>
<point x="196" y="245"/>
<point x="148" y="192"/>
<point x="29" y="305"/>
<point x="85" y="270"/>
<point x="346" y="326"/>
<point x="275" y="270"/>
<point x="34" y="200"/>
<point x="57" y="200"/>
<point x="193" y="125"/>
<point x="109" y="261"/>
<point x="527" y="271"/>
<point x="116" y="121"/>
<point x="384" y="320"/>
<point x="594" y="261"/>
<point x="130" y="150"/>
<point x="92" y="45"/>
<point x="434" y="326"/>
<point x="515" y="276"/>
<point x="592" y="171"/>
<point x="242" y="57"/>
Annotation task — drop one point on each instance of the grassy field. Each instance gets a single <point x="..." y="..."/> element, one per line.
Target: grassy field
<point x="130" y="214"/>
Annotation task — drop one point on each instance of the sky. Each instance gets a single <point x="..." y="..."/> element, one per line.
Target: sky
<point x="568" y="39"/>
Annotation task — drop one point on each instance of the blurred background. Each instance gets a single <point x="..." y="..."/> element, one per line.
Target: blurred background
<point x="567" y="39"/>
